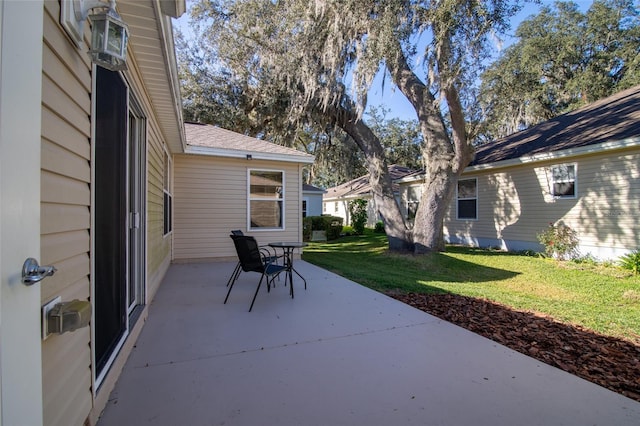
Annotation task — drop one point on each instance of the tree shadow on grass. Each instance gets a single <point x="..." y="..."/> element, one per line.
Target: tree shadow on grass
<point x="607" y="361"/>
<point x="442" y="267"/>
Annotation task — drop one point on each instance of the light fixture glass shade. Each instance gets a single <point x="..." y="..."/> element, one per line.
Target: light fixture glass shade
<point x="109" y="36"/>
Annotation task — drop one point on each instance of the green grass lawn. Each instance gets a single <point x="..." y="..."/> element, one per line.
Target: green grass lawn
<point x="605" y="299"/>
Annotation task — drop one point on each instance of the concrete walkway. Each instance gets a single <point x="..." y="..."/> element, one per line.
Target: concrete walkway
<point x="337" y="354"/>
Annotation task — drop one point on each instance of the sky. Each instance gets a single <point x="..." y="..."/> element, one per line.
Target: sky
<point x="394" y="100"/>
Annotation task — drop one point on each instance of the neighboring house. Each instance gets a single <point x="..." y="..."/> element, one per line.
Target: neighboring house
<point x="85" y="162"/>
<point x="336" y="200"/>
<point x="581" y="168"/>
<point x="312" y="200"/>
<point x="224" y="181"/>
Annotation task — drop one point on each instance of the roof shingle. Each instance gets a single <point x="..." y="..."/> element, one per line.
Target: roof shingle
<point x="360" y="186"/>
<point x="207" y="136"/>
<point x="612" y="119"/>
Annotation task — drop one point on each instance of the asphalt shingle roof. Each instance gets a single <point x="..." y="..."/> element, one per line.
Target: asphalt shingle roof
<point x="360" y="186"/>
<point x="204" y="135"/>
<point x="612" y="119"/>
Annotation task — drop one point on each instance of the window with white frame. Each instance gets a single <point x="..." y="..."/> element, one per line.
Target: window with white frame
<point x="563" y="181"/>
<point x="467" y="199"/>
<point x="266" y="199"/>
<point x="167" y="196"/>
<point x="304" y="207"/>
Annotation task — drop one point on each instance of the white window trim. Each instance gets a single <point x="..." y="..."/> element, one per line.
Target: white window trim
<point x="468" y="198"/>
<point x="284" y="197"/>
<point x="575" y="182"/>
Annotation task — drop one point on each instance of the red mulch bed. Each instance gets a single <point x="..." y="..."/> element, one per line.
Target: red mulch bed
<point x="610" y="362"/>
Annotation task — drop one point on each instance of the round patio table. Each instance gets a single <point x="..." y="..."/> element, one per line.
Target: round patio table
<point x="288" y="247"/>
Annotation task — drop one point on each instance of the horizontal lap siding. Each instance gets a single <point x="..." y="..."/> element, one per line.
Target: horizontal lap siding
<point x="65" y="217"/>
<point x="158" y="245"/>
<point x="210" y="199"/>
<point x="515" y="203"/>
<point x="66" y="211"/>
<point x="608" y="204"/>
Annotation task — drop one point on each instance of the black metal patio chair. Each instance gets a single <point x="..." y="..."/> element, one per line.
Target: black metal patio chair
<point x="267" y="251"/>
<point x="251" y="259"/>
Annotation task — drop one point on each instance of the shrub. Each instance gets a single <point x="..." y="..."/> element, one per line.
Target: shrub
<point x="559" y="241"/>
<point x="332" y="225"/>
<point x="347" y="230"/>
<point x="307" y="228"/>
<point x="358" y="212"/>
<point x="379" y="227"/>
<point x="631" y="261"/>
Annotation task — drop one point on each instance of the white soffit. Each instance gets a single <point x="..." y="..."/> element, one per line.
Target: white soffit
<point x="151" y="43"/>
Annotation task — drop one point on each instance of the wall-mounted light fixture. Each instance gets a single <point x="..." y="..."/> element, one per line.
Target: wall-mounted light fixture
<point x="109" y="33"/>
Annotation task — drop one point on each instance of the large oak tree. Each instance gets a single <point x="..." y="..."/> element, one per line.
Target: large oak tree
<point x="563" y="59"/>
<point x="300" y="62"/>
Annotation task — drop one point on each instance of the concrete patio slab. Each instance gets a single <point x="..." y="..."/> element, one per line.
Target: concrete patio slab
<point x="337" y="354"/>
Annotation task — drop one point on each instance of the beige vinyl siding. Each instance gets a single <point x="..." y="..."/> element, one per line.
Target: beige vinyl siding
<point x="66" y="214"/>
<point x="210" y="199"/>
<point x="158" y="245"/>
<point x="515" y="204"/>
<point x="65" y="217"/>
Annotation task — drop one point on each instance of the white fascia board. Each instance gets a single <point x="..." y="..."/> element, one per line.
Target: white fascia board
<point x="168" y="44"/>
<point x="558" y="155"/>
<point x="349" y="197"/>
<point x="232" y="153"/>
<point x="410" y="179"/>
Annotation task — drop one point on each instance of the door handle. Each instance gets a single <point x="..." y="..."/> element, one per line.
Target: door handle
<point x="33" y="273"/>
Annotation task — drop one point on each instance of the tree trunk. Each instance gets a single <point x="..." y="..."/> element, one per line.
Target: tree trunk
<point x="395" y="226"/>
<point x="445" y="157"/>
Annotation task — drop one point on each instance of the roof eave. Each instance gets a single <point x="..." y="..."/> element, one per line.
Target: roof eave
<point x="154" y="54"/>
<point x="173" y="8"/>
<point x="248" y="155"/>
<point x="537" y="158"/>
<point x="556" y="155"/>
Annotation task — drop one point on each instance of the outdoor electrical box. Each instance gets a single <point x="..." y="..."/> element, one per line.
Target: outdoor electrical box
<point x="68" y="316"/>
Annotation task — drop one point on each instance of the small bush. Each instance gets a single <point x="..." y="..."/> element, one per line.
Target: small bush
<point x="358" y="212"/>
<point x="631" y="261"/>
<point x="559" y="241"/>
<point x="307" y="228"/>
<point x="379" y="227"/>
<point x="332" y="225"/>
<point x="347" y="230"/>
